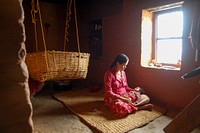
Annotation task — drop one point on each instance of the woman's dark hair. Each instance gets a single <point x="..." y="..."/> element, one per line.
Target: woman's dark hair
<point x="120" y="58"/>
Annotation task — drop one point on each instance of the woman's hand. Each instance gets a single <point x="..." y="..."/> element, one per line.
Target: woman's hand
<point x="126" y="99"/>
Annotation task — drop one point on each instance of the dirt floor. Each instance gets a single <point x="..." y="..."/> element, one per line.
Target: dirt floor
<point x="50" y="116"/>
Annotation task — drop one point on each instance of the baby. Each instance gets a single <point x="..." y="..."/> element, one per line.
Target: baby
<point x="140" y="90"/>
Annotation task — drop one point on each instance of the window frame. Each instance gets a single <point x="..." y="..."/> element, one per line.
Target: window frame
<point x="148" y="36"/>
<point x="154" y="34"/>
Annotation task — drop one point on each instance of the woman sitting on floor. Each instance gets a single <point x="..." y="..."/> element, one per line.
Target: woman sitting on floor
<point x="118" y="96"/>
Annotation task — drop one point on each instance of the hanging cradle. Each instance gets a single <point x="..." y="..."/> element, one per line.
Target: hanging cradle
<point x="56" y="65"/>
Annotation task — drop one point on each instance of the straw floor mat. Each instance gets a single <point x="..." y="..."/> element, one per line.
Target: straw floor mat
<point x="89" y="106"/>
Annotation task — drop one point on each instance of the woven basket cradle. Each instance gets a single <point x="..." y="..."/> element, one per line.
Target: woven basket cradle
<point x="57" y="65"/>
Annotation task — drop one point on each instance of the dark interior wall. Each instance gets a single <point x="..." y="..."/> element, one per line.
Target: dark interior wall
<point x="53" y="17"/>
<point x="121" y="21"/>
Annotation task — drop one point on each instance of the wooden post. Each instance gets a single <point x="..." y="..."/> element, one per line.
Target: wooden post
<point x="187" y="120"/>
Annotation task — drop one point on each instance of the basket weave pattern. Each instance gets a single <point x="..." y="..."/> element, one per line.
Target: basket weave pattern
<point x="57" y="65"/>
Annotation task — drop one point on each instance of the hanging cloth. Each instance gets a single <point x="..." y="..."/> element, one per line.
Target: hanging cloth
<point x="194" y="35"/>
<point x="56" y="65"/>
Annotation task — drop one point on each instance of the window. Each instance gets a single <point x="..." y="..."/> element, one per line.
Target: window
<point x="162" y="29"/>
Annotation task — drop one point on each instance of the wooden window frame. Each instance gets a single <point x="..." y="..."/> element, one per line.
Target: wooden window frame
<point x="155" y="38"/>
<point x="148" y="36"/>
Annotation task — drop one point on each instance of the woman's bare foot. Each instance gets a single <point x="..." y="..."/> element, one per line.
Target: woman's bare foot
<point x="146" y="107"/>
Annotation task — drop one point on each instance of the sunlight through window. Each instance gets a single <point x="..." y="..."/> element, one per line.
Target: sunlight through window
<point x="169" y="37"/>
<point x="161" y="36"/>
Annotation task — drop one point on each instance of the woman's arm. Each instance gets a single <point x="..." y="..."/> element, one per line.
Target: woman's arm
<point x="126" y="82"/>
<point x="109" y="77"/>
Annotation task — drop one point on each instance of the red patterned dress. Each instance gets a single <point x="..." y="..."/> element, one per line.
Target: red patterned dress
<point x="115" y="87"/>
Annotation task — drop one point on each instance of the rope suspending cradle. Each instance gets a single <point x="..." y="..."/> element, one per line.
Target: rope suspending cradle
<point x="56" y="65"/>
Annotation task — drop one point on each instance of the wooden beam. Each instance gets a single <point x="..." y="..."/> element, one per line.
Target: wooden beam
<point x="187" y="120"/>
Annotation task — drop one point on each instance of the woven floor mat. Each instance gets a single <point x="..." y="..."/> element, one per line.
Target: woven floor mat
<point x="90" y="107"/>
